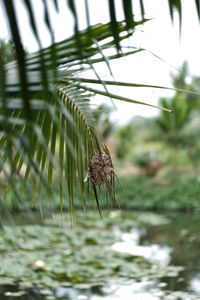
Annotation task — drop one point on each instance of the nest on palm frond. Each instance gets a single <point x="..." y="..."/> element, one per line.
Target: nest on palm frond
<point x="101" y="169"/>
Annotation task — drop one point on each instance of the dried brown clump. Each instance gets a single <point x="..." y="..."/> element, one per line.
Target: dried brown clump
<point x="100" y="169"/>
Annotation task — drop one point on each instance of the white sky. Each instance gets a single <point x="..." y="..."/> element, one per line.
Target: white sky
<point x="158" y="36"/>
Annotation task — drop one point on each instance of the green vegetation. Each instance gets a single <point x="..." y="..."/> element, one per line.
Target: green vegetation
<point x="143" y="193"/>
<point x="133" y="192"/>
<point x="102" y="121"/>
<point x="50" y="256"/>
<point x="172" y="127"/>
<point x="125" y="138"/>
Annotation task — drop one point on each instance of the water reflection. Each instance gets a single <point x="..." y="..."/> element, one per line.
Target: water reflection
<point x="130" y="245"/>
<point x="144" y="290"/>
<point x="153" y="252"/>
<point x="194" y="284"/>
<point x="182" y="235"/>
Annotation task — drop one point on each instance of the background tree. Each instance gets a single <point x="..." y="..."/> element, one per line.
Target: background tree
<point x="102" y="118"/>
<point x="7" y="51"/>
<point x="125" y="137"/>
<point x="173" y="126"/>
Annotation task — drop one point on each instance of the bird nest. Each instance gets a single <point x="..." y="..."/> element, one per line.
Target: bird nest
<point x="101" y="169"/>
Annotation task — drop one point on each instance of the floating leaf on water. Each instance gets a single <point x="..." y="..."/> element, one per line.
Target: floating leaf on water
<point x="40" y="265"/>
<point x="114" y="214"/>
<point x="15" y="294"/>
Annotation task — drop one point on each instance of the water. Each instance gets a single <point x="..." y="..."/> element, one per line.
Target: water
<point x="172" y="242"/>
<point x="183" y="237"/>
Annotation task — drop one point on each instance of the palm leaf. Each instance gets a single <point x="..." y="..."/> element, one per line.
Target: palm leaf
<point x="45" y="118"/>
<point x="59" y="139"/>
<point x="111" y="7"/>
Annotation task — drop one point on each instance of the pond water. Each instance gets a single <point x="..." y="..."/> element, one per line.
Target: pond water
<point x="169" y="242"/>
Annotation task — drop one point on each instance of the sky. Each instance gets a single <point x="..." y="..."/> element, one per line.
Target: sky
<point x="166" y="49"/>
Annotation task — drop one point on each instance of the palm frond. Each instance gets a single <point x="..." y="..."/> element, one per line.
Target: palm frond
<point x="118" y="97"/>
<point x="59" y="139"/>
<point x="46" y="123"/>
<point x="72" y="6"/>
<point x="175" y="5"/>
<point x="56" y="144"/>
<point x="130" y="84"/>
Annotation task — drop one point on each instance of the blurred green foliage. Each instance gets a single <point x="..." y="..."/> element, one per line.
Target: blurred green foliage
<point x="134" y="192"/>
<point x="142" y="160"/>
<point x="103" y="123"/>
<point x="173" y="138"/>
<point x="184" y="105"/>
<point x="142" y="193"/>
<point x="124" y="140"/>
<point x="7" y="51"/>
